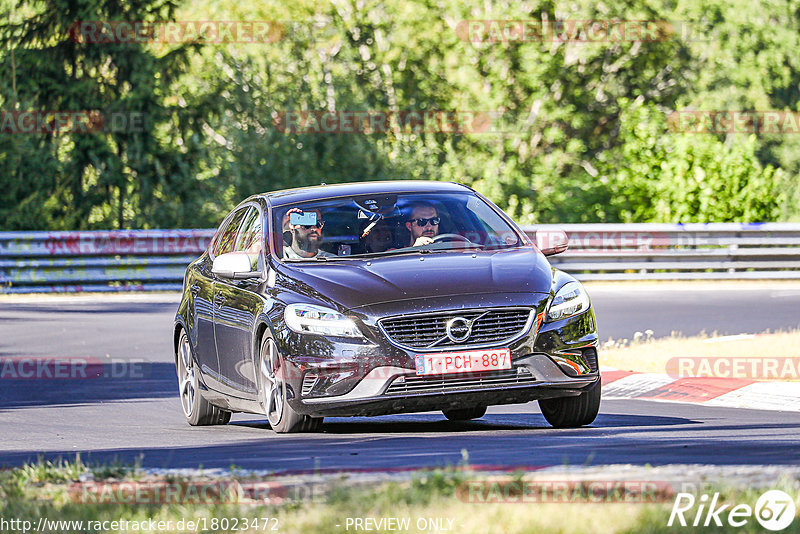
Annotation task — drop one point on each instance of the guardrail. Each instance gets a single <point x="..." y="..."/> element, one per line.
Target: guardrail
<point x="679" y="251"/>
<point x="154" y="260"/>
<point x="128" y="260"/>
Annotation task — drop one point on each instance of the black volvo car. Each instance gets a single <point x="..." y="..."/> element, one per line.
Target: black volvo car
<point x="379" y="298"/>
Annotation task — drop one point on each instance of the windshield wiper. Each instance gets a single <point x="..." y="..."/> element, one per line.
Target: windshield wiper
<point x="413" y="250"/>
<point x="315" y="258"/>
<point x="397" y="252"/>
<point x="500" y="247"/>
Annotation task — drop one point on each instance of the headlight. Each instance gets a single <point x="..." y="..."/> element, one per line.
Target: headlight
<point x="569" y="300"/>
<point x="313" y="319"/>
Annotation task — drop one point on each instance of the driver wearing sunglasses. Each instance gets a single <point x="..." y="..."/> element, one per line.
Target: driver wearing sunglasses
<point x="423" y="223"/>
<point x="303" y="241"/>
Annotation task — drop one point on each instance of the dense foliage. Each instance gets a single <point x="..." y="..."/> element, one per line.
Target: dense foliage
<point x="583" y="132"/>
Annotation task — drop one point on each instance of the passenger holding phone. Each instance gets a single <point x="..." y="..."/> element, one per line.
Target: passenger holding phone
<point x="302" y="233"/>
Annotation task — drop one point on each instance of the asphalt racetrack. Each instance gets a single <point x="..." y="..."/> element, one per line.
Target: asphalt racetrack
<point x="136" y="414"/>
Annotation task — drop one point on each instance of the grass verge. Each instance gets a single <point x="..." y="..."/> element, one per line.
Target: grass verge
<point x="648" y="355"/>
<point x="431" y="501"/>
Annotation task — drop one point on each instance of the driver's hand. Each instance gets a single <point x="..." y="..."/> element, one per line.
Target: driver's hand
<point x="423" y="240"/>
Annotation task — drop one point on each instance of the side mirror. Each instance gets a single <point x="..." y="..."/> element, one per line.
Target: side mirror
<point x="236" y="266"/>
<point x="552" y="241"/>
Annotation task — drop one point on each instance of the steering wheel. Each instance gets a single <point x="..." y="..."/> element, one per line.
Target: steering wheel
<point x="451" y="237"/>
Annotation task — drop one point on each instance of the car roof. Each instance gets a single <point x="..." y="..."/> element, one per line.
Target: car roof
<point x="301" y="194"/>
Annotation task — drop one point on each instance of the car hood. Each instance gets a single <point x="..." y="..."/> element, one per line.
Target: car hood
<point x="359" y="283"/>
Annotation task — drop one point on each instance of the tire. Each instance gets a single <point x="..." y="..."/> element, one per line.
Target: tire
<point x="465" y="414"/>
<point x="572" y="412"/>
<point x="197" y="410"/>
<point x="273" y="393"/>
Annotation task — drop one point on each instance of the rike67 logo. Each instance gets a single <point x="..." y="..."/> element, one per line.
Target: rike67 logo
<point x="774" y="510"/>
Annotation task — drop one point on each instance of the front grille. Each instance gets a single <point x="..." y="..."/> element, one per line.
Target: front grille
<point x="460" y="382"/>
<point x="428" y="330"/>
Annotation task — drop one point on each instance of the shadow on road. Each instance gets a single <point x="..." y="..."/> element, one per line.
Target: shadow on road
<point x="422" y="423"/>
<point x="426" y="442"/>
<point x="93" y="384"/>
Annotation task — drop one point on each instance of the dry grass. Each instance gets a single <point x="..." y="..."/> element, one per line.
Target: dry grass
<point x="648" y="355"/>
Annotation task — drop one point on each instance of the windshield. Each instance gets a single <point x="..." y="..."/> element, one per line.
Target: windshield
<point x="389" y="224"/>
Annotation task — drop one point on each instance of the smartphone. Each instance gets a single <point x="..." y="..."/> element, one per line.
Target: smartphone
<point x="303" y="219"/>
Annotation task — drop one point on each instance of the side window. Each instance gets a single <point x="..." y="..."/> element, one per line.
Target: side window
<point x="226" y="237"/>
<point x="249" y="238"/>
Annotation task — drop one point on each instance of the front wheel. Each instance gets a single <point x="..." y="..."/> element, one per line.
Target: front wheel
<point x="572" y="412"/>
<point x="198" y="411"/>
<point x="282" y="418"/>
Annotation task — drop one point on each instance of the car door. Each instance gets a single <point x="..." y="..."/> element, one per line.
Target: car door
<point x="203" y="288"/>
<point x="237" y="305"/>
<point x="201" y="284"/>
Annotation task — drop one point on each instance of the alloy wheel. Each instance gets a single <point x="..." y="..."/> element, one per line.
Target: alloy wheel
<point x="187" y="376"/>
<point x="272" y="386"/>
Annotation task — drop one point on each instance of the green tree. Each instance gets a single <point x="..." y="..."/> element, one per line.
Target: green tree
<point x="124" y="175"/>
<point x="659" y="176"/>
<point x="585" y="138"/>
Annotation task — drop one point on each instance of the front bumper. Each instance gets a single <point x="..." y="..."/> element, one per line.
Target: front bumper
<point x="388" y="390"/>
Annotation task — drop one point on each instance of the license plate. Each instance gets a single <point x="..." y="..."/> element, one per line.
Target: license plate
<point x="468" y="361"/>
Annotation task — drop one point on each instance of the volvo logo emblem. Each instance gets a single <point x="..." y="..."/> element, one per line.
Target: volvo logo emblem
<point x="458" y="329"/>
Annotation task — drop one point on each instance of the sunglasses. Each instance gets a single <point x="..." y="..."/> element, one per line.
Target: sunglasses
<point x="424" y="222"/>
<point x="318" y="224"/>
